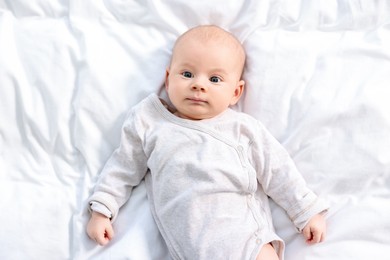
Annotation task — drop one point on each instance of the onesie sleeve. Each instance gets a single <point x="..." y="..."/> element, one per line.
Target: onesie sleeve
<point x="125" y="169"/>
<point x="281" y="180"/>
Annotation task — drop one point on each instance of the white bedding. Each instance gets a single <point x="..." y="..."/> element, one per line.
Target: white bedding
<point x="318" y="75"/>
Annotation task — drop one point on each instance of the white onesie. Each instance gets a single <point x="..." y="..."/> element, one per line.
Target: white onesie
<point x="207" y="181"/>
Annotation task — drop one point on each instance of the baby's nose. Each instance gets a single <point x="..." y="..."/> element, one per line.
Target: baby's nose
<point x="200" y="86"/>
<point x="197" y="87"/>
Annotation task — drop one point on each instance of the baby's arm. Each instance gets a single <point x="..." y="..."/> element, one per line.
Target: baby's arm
<point x="315" y="229"/>
<point x="100" y="229"/>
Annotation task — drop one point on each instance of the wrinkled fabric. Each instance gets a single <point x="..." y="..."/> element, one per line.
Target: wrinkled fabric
<point x="317" y="76"/>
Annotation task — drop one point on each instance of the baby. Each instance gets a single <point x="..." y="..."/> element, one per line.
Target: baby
<point x="208" y="169"/>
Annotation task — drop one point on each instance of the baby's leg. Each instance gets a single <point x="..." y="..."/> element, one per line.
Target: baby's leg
<point x="267" y="252"/>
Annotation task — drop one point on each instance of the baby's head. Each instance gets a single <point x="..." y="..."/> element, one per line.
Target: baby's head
<point x="204" y="76"/>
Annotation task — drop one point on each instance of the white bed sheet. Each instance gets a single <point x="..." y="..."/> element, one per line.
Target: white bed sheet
<point x="317" y="76"/>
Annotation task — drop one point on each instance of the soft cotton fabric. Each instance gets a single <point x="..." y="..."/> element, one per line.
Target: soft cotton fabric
<point x="202" y="179"/>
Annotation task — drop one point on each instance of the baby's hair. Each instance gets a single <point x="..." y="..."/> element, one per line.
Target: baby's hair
<point x="205" y="33"/>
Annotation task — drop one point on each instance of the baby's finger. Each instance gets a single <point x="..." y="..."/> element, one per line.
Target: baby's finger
<point x="307" y="234"/>
<point x="316" y="236"/>
<point x="109" y="233"/>
<point x="323" y="235"/>
<point x="101" y="240"/>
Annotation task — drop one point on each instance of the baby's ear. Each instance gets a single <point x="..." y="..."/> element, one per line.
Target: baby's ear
<point x="166" y="78"/>
<point x="237" y="92"/>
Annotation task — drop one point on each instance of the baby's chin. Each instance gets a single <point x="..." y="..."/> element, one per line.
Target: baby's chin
<point x="195" y="117"/>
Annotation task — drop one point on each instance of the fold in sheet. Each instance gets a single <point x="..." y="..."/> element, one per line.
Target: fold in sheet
<point x="317" y="76"/>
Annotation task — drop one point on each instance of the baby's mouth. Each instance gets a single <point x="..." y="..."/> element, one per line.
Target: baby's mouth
<point x="197" y="100"/>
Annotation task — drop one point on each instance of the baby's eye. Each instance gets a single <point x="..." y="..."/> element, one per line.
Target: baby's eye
<point x="186" y="74"/>
<point x="215" y="79"/>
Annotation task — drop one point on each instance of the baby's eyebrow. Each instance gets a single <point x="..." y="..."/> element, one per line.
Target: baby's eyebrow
<point x="220" y="71"/>
<point x="185" y="64"/>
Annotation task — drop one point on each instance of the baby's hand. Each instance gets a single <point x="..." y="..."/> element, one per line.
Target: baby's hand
<point x="100" y="229"/>
<point x="315" y="229"/>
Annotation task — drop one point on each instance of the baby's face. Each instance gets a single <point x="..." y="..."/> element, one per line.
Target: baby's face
<point x="204" y="78"/>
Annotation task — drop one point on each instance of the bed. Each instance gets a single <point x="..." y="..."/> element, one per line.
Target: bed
<point x="317" y="75"/>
